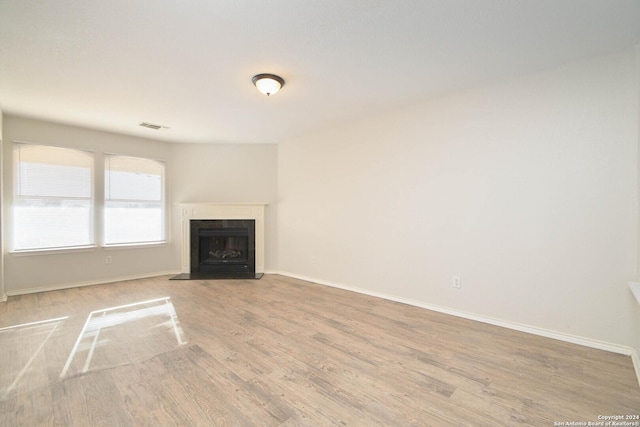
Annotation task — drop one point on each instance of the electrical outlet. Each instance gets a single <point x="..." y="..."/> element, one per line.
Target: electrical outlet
<point x="456" y="283"/>
<point x="108" y="260"/>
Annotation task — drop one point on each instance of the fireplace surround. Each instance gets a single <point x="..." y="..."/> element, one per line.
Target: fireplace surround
<point x="224" y="250"/>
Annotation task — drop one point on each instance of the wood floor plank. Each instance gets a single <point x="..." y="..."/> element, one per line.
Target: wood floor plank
<point x="284" y="352"/>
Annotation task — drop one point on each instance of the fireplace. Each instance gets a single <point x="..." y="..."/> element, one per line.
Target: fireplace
<point x="231" y="245"/>
<point x="222" y="246"/>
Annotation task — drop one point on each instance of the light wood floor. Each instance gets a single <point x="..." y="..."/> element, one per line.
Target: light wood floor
<point x="283" y="352"/>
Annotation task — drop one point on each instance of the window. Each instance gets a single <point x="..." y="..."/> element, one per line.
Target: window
<point x="53" y="205"/>
<point x="134" y="200"/>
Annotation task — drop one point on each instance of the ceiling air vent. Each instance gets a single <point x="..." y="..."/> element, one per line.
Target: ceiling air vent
<point x="152" y="126"/>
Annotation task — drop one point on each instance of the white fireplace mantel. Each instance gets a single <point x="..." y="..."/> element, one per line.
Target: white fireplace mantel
<point x="189" y="211"/>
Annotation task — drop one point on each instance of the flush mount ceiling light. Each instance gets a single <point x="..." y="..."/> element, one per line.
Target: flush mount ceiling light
<point x="268" y="83"/>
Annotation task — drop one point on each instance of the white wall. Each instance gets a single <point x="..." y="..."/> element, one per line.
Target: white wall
<point x="29" y="272"/>
<point x="228" y="173"/>
<point x="527" y="189"/>
<point x="2" y="292"/>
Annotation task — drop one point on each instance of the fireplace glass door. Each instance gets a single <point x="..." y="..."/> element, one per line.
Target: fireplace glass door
<point x="222" y="246"/>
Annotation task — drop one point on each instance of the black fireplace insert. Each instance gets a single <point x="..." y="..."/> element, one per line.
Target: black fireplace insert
<point x="223" y="246"/>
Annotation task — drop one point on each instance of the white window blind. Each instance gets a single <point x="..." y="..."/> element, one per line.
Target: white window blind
<point x="134" y="200"/>
<point x="53" y="203"/>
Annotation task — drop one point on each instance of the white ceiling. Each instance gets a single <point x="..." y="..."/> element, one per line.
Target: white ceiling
<point x="188" y="64"/>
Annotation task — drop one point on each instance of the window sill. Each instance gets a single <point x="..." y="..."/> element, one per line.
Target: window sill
<point x="52" y="251"/>
<point x="79" y="249"/>
<point x="134" y="246"/>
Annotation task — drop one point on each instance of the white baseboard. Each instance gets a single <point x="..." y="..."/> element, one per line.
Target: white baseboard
<point x="46" y="288"/>
<point x="636" y="363"/>
<point x="573" y="339"/>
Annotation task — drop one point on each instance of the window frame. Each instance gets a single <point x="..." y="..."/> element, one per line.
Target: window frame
<point x="17" y="196"/>
<point x="162" y="203"/>
<point x="97" y="204"/>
